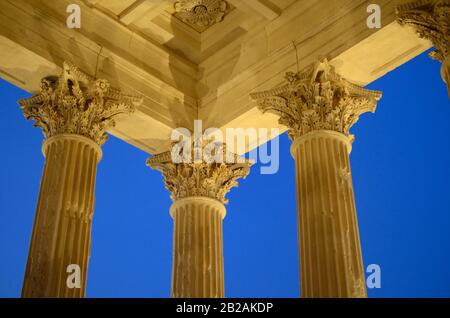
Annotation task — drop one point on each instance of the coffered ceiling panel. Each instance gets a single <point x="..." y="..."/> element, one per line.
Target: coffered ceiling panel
<point x="198" y="59"/>
<point x="194" y="29"/>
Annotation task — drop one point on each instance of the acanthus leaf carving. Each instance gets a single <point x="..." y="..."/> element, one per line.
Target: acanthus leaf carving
<point x="75" y="103"/>
<point x="431" y="20"/>
<point x="317" y="99"/>
<point x="199" y="178"/>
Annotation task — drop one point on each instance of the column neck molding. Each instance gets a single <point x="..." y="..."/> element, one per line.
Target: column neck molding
<point x="74" y="137"/>
<point x="195" y="200"/>
<point x="430" y="19"/>
<point x="298" y="142"/>
<point x="317" y="99"/>
<point x="76" y="103"/>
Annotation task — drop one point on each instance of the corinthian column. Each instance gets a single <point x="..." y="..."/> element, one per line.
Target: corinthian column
<point x="431" y="20"/>
<point x="319" y="107"/>
<point x="73" y="111"/>
<point x="198" y="194"/>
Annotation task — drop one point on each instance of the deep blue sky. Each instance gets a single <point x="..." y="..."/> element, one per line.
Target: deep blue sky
<point x="401" y="174"/>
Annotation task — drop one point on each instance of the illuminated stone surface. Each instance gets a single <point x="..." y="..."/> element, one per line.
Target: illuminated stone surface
<point x="73" y="111"/>
<point x="319" y="107"/>
<point x="200" y="60"/>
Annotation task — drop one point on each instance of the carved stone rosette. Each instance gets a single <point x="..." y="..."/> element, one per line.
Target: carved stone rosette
<point x="75" y="103"/>
<point x="201" y="13"/>
<point x="317" y="99"/>
<point x="431" y="20"/>
<point x="200" y="179"/>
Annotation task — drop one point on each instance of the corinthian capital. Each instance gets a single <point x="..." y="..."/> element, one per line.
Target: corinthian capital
<point x="199" y="178"/>
<point x="317" y="99"/>
<point x="75" y="103"/>
<point x="431" y="20"/>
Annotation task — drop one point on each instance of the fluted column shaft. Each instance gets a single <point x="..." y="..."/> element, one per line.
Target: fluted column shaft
<point x="198" y="191"/>
<point x="197" y="248"/>
<point x="62" y="227"/>
<point x="319" y="107"/>
<point x="330" y="252"/>
<point x="74" y="111"/>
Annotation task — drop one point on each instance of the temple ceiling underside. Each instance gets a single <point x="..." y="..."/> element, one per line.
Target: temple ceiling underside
<point x="198" y="59"/>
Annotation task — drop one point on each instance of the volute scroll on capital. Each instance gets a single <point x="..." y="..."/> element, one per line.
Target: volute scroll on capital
<point x="431" y="21"/>
<point x="199" y="178"/>
<point x="317" y="99"/>
<point x="76" y="103"/>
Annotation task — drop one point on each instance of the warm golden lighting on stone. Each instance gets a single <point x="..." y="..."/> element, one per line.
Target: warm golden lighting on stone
<point x="431" y="20"/>
<point x="319" y="107"/>
<point x="198" y="191"/>
<point x="74" y="111"/>
<point x="189" y="60"/>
